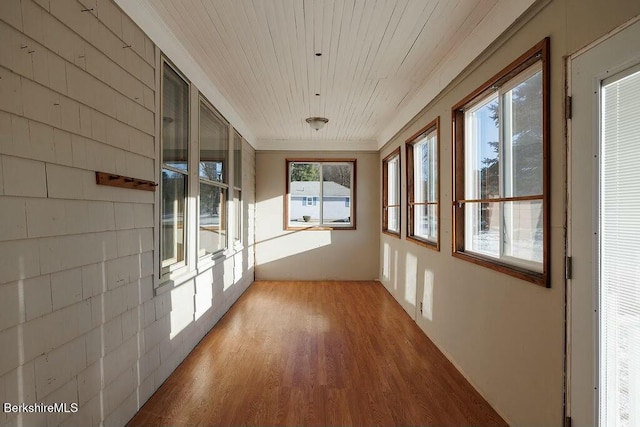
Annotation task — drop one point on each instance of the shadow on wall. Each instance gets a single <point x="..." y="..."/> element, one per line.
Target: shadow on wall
<point x="409" y="280"/>
<point x="95" y="335"/>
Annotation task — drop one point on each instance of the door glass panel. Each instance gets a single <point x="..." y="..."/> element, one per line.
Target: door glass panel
<point x="620" y="252"/>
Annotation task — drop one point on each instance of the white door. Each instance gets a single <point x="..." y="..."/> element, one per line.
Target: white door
<point x="603" y="347"/>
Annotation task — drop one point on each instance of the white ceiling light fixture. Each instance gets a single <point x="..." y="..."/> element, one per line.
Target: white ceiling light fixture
<point x="317" y="122"/>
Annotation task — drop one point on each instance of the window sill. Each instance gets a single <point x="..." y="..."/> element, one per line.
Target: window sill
<point x="435" y="246"/>
<point x="318" y="228"/>
<point x="391" y="233"/>
<point x="540" y="279"/>
<point x="206" y="262"/>
<point x="170" y="281"/>
<point x="178" y="277"/>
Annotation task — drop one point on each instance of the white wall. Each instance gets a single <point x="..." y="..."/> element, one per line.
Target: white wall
<point x="79" y="319"/>
<point x="505" y="335"/>
<point x="323" y="254"/>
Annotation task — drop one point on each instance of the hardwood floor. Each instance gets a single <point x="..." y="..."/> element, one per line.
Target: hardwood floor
<point x="316" y="353"/>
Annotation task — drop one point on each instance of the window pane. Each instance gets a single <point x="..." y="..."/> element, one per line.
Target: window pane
<point x="175" y="120"/>
<point x="214" y="144"/>
<point x="393" y="219"/>
<point x="174" y="187"/>
<point x="523" y="232"/>
<point x="482" y="228"/>
<point x="237" y="200"/>
<point x="237" y="161"/>
<point x="425" y="222"/>
<point x="482" y="161"/>
<point x="213" y="235"/>
<point x="336" y="197"/>
<point x="392" y="189"/>
<point x="304" y="193"/>
<point x="425" y="172"/>
<point x="522" y="118"/>
<point x="393" y="181"/>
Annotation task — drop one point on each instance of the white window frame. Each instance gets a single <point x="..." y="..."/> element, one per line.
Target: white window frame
<point x="167" y="270"/>
<point x="223" y="185"/>
<point x="237" y="186"/>
<point x="193" y="263"/>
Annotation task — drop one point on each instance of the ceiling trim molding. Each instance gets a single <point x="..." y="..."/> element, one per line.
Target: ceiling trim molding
<point x="315" y="145"/>
<point x="501" y="17"/>
<point x="150" y="22"/>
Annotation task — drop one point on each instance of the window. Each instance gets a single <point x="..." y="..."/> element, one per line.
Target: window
<point x="214" y="148"/>
<point x="501" y="137"/>
<point x="312" y="205"/>
<point x="175" y="168"/>
<point x="198" y="175"/>
<point x="423" y="195"/>
<point x="237" y="183"/>
<point x="391" y="193"/>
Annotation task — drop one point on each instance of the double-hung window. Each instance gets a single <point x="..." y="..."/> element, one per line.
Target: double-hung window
<point x="201" y="169"/>
<point x="320" y="194"/>
<point x="501" y="166"/>
<point x="175" y="169"/>
<point x="391" y="193"/>
<point x="423" y="200"/>
<point x="213" y="176"/>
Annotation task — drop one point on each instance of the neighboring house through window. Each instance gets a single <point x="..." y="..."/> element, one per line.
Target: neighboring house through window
<point x="319" y="194"/>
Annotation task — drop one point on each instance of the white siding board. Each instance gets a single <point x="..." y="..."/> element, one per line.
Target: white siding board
<point x="76" y="259"/>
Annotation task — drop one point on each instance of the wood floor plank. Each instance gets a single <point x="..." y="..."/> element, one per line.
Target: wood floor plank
<point x="316" y="353"/>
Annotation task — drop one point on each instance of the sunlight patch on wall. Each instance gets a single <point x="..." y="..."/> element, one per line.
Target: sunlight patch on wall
<point x="204" y="293"/>
<point x="386" y="262"/>
<point x="395" y="272"/>
<point x="411" y="279"/>
<point x="427" y="295"/>
<point x="182" y="308"/>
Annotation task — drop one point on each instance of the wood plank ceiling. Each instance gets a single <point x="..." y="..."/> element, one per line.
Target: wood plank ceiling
<point x="356" y="62"/>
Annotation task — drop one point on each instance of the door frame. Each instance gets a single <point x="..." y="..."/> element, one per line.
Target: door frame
<point x="567" y="109"/>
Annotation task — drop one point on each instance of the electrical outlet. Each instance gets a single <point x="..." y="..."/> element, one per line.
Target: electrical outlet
<point x="420" y="307"/>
